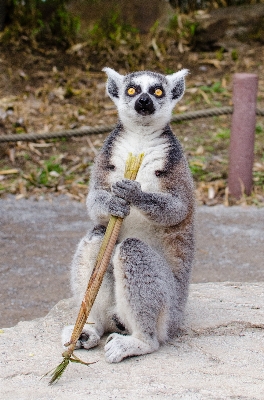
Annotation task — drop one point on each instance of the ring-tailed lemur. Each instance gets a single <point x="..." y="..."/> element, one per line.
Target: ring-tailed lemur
<point x="144" y="291"/>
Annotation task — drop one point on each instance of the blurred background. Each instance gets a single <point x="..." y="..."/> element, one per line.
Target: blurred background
<point x="51" y="56"/>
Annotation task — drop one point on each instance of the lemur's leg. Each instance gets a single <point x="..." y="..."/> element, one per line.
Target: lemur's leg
<point x="144" y="292"/>
<point x="100" y="315"/>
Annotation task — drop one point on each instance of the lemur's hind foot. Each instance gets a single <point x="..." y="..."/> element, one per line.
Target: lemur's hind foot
<point x="89" y="337"/>
<point x="119" y="347"/>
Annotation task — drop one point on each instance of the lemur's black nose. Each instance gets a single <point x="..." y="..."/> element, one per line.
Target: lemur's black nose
<point x="144" y="105"/>
<point x="144" y="100"/>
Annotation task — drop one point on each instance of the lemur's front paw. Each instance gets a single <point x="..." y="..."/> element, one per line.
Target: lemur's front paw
<point x="119" y="207"/>
<point x="89" y="337"/>
<point x="127" y="190"/>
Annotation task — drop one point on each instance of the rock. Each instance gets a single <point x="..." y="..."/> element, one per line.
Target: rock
<point x="224" y="26"/>
<point x="220" y="354"/>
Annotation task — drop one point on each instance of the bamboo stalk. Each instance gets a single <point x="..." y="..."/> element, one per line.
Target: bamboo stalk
<point x="132" y="166"/>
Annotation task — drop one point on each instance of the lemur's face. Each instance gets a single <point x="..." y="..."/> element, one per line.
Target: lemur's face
<point x="145" y="97"/>
<point x="144" y="93"/>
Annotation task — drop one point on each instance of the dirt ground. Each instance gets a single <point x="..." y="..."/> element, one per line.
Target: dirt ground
<point x="45" y="89"/>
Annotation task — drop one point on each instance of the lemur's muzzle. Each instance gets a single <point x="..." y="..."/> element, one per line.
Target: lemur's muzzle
<point x="144" y="105"/>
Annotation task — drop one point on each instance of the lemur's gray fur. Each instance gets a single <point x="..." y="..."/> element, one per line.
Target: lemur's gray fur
<point x="144" y="291"/>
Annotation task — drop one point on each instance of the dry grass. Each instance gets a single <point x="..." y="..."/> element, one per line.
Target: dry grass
<point x="41" y="94"/>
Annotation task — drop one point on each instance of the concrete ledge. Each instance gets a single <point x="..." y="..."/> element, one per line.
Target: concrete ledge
<point x="38" y="241"/>
<point x="220" y="354"/>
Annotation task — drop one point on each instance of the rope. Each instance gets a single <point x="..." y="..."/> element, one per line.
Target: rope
<point x="210" y="112"/>
<point x="32" y="137"/>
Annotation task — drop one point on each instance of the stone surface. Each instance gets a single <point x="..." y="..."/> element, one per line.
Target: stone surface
<point x="226" y="27"/>
<point x="220" y="354"/>
<point x="38" y="240"/>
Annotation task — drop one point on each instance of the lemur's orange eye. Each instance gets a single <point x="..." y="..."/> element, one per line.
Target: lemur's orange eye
<point x="131" y="91"/>
<point x="158" y="92"/>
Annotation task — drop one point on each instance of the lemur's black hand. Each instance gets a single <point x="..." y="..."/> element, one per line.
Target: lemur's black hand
<point x="127" y="190"/>
<point x="119" y="207"/>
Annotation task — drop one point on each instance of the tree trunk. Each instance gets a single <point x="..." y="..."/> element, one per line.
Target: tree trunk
<point x="2" y="13"/>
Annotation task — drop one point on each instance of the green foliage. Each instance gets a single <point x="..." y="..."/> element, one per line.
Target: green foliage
<point x="49" y="166"/>
<point x="169" y="71"/>
<point x="155" y="28"/>
<point x="111" y="39"/>
<point x="173" y="23"/>
<point x="234" y="55"/>
<point x="220" y="54"/>
<point x="110" y="33"/>
<point x="259" y="129"/>
<point x="63" y="25"/>
<point x="183" y="26"/>
<point x="258" y="178"/>
<point x="39" y="20"/>
<point x="191" y="26"/>
<point x="223" y="134"/>
<point x="111" y="27"/>
<point x="26" y="156"/>
<point x="215" y="88"/>
<point x="197" y="169"/>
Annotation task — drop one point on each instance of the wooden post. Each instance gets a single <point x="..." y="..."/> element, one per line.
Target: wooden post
<point x="241" y="151"/>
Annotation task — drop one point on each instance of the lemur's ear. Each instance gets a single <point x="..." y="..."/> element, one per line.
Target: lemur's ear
<point x="114" y="82"/>
<point x="177" y="83"/>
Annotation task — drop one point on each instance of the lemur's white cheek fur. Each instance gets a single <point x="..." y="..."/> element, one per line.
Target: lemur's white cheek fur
<point x="145" y="288"/>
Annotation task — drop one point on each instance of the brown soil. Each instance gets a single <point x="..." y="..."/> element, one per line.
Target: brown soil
<point x="49" y="89"/>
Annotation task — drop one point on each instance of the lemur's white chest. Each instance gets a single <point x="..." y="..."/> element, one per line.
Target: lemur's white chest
<point x="154" y="149"/>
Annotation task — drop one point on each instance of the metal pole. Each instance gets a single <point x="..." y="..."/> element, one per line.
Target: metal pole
<point x="241" y="151"/>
